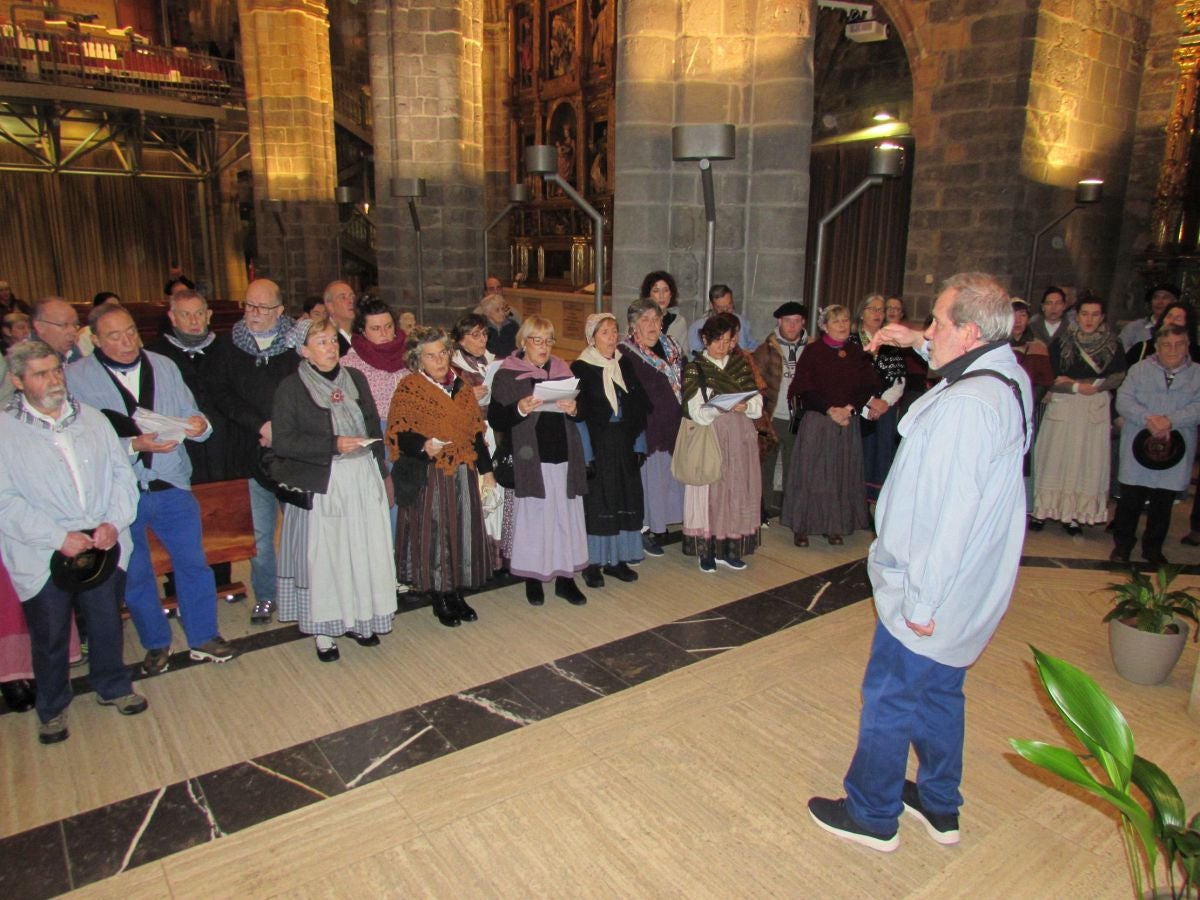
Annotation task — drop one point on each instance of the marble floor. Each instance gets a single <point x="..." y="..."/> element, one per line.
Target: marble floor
<point x="661" y="741"/>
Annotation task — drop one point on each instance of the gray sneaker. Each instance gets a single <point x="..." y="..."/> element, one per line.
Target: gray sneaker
<point x="55" y="730"/>
<point x="261" y="614"/>
<point x="217" y="650"/>
<point x="129" y="705"/>
<point x="157" y="661"/>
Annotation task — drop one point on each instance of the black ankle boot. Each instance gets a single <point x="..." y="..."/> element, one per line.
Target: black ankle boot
<point x="621" y="572"/>
<point x="592" y="577"/>
<point x="445" y="614"/>
<point x="461" y="608"/>
<point x="19" y="695"/>
<point x="533" y="592"/>
<point x="569" y="591"/>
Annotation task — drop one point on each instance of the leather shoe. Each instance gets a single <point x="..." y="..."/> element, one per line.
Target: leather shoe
<point x="1155" y="558"/>
<point x="330" y="655"/>
<point x="442" y="609"/>
<point x="592" y="577"/>
<point x="461" y="608"/>
<point x="835" y="540"/>
<point x="569" y="591"/>
<point x="1120" y="557"/>
<point x="621" y="572"/>
<point x="19" y="695"/>
<point x="372" y="641"/>
<point x="534" y="592"/>
<point x="800" y="540"/>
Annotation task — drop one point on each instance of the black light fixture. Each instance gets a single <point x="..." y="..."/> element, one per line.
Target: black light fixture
<point x="518" y="195"/>
<point x="886" y="161"/>
<point x="1090" y="190"/>
<point x="703" y="144"/>
<point x="410" y="189"/>
<point x="542" y="159"/>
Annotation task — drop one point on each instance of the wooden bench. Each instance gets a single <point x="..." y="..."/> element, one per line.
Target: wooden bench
<point x="228" y="533"/>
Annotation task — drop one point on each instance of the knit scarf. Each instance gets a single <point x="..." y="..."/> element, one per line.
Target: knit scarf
<point x="670" y="368"/>
<point x="420" y="406"/>
<point x="244" y="340"/>
<point x="733" y="379"/>
<point x="555" y="368"/>
<point x="610" y="373"/>
<point x="338" y="395"/>
<point x="1101" y="346"/>
<point x="190" y="343"/>
<point x="387" y="357"/>
<point x="471" y="368"/>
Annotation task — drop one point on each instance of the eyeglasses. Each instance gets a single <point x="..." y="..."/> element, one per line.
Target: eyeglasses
<point x="262" y="309"/>
<point x="475" y="334"/>
<point x="68" y="326"/>
<point x="540" y="341"/>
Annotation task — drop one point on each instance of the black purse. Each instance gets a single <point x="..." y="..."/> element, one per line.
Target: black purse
<point x="503" y="469"/>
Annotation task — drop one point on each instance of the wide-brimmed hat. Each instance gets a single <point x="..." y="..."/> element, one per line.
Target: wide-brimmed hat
<point x="1158" y="453"/>
<point x="85" y="570"/>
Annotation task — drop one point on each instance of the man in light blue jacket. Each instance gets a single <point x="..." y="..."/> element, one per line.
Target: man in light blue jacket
<point x="951" y="522"/>
<point x="1161" y="395"/>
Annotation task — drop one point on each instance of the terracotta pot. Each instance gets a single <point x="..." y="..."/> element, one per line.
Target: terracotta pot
<point x="1143" y="657"/>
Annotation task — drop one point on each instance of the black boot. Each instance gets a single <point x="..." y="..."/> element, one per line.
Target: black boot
<point x="592" y="577"/>
<point x="461" y="608"/>
<point x="445" y="614"/>
<point x="533" y="592"/>
<point x="621" y="572"/>
<point x="569" y="591"/>
<point x="19" y="695"/>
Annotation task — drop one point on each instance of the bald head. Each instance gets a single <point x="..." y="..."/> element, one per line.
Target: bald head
<point x="56" y="322"/>
<point x="339" y="302"/>
<point x="263" y="306"/>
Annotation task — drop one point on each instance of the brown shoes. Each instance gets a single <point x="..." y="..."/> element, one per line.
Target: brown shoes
<point x="800" y="540"/>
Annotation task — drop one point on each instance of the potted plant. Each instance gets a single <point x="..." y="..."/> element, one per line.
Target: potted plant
<point x="1145" y="632"/>
<point x="1163" y="828"/>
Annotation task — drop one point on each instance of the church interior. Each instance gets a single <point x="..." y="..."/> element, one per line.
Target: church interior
<point x="662" y="740"/>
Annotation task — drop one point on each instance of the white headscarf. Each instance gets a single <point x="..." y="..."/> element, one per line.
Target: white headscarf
<point x="610" y="368"/>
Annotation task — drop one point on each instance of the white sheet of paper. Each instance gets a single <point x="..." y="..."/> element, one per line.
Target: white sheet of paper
<point x="168" y="428"/>
<point x="726" y="402"/>
<point x="550" y="392"/>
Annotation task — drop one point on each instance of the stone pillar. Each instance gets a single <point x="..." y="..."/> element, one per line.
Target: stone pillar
<point x="289" y="105"/>
<point x="746" y="62"/>
<point x="496" y="134"/>
<point x="427" y="90"/>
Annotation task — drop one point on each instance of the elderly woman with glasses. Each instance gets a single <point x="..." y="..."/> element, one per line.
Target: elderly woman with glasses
<point x="657" y="364"/>
<point x="613" y="406"/>
<point x="549" y="537"/>
<point x="826" y="491"/>
<point x="336" y="574"/>
<point x="721" y="520"/>
<point x="435" y="433"/>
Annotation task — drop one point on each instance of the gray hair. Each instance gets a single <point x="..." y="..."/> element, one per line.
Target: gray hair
<point x="643" y="307"/>
<point x="867" y="302"/>
<point x="980" y="300"/>
<point x="186" y="295"/>
<point x="422" y="337"/>
<point x="41" y="303"/>
<point x="107" y="309"/>
<point x="20" y="355"/>
<point x="1171" y="331"/>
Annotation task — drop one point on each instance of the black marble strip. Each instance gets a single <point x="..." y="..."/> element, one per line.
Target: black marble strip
<point x="1099" y="565"/>
<point x="97" y="844"/>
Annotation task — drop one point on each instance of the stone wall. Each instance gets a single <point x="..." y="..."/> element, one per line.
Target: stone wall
<point x="289" y="105"/>
<point x="427" y="89"/>
<point x="746" y="62"/>
<point x="496" y="134"/>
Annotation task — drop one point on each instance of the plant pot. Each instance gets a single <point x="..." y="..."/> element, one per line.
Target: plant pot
<point x="1143" y="657"/>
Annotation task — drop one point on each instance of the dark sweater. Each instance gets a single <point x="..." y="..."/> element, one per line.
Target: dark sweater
<point x="536" y="438"/>
<point x="244" y="393"/>
<point x="663" y="411"/>
<point x="210" y="459"/>
<point x="825" y="379"/>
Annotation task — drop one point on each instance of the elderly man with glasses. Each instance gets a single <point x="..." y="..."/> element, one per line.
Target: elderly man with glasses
<point x="248" y="365"/>
<point x="55" y="322"/>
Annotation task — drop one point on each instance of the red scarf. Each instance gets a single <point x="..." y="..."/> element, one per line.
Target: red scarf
<point x="389" y="357"/>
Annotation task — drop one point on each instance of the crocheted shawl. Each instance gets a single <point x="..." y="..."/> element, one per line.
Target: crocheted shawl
<point x="422" y="407"/>
<point x="734" y="378"/>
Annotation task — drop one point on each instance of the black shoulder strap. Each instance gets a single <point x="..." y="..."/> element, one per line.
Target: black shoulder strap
<point x="1012" y="386"/>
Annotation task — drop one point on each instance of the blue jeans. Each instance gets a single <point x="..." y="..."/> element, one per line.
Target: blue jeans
<point x="175" y="517"/>
<point x="264" y="510"/>
<point x="908" y="699"/>
<point x="48" y="615"/>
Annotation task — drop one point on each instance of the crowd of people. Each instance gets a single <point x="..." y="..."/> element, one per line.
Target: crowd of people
<point x="383" y="455"/>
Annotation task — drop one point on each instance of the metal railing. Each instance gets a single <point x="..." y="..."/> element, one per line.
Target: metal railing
<point x="351" y="99"/>
<point x="360" y="228"/>
<point x="67" y="57"/>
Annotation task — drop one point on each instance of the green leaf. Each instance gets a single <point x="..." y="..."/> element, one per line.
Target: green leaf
<point x="1165" y="802"/>
<point x="1089" y="713"/>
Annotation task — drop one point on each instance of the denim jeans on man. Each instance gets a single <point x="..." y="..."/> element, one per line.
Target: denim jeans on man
<point x="264" y="510"/>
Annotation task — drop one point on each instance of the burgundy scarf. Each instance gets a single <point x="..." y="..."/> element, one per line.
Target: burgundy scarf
<point x="389" y="357"/>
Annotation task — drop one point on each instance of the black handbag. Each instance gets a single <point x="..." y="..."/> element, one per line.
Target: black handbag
<point x="503" y="469"/>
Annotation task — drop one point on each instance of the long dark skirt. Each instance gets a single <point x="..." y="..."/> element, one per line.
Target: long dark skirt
<point x="441" y="541"/>
<point x="613" y="502"/>
<point x="826" y="492"/>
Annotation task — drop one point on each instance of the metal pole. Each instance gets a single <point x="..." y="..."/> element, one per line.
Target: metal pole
<point x="1033" y="253"/>
<point x="710" y="219"/>
<point x="412" y="209"/>
<point x="869" y="181"/>
<point x="496" y="221"/>
<point x="597" y="235"/>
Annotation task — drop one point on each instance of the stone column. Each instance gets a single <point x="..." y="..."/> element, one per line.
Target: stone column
<point x="427" y="90"/>
<point x="746" y="62"/>
<point x="289" y="104"/>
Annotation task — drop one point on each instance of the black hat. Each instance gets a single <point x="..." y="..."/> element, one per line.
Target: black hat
<point x="84" y="571"/>
<point x="791" y="308"/>
<point x="1158" y="453"/>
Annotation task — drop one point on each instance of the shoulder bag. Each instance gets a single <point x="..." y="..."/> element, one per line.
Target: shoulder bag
<point x="697" y="458"/>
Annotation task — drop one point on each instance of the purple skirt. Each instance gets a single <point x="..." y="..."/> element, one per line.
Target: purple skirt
<point x="549" y="534"/>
